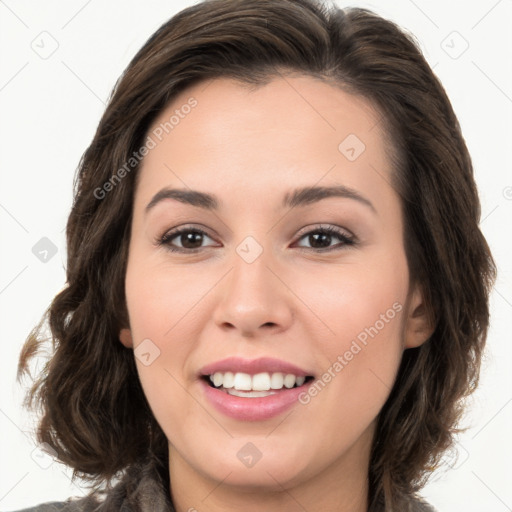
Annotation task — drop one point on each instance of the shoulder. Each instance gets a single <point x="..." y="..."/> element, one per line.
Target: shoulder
<point x="70" y="505"/>
<point x="143" y="488"/>
<point x="418" y="504"/>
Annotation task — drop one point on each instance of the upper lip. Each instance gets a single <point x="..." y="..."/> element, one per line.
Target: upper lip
<point x="253" y="366"/>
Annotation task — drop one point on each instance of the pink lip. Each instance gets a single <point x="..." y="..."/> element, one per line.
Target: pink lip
<point x="252" y="409"/>
<point x="263" y="364"/>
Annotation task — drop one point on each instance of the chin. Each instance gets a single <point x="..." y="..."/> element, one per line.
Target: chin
<point x="244" y="465"/>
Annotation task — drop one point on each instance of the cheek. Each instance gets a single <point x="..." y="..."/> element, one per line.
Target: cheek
<point x="355" y="295"/>
<point x="361" y="309"/>
<point x="161" y="299"/>
<point x="166" y="306"/>
<point x="159" y="306"/>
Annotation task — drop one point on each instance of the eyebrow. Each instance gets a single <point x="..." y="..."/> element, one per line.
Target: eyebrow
<point x="297" y="197"/>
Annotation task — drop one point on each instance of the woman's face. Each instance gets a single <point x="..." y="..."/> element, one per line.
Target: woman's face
<point x="255" y="288"/>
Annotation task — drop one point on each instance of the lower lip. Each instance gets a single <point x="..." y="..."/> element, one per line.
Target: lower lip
<point x="252" y="409"/>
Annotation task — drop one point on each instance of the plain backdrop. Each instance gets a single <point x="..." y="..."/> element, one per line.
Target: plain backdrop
<point x="59" y="62"/>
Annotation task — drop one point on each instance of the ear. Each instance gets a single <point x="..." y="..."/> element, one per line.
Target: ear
<point x="419" y="325"/>
<point x="125" y="337"/>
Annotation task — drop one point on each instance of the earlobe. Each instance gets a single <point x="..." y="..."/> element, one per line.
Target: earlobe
<point x="419" y="325"/>
<point x="125" y="337"/>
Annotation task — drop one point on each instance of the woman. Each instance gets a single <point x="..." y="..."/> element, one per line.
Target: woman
<point x="277" y="287"/>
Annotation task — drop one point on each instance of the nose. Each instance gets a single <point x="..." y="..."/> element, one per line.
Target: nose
<point x="253" y="299"/>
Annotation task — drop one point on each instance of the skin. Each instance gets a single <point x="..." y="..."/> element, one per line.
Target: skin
<point x="295" y="303"/>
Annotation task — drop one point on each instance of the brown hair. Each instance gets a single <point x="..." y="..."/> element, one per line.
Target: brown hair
<point x="95" y="414"/>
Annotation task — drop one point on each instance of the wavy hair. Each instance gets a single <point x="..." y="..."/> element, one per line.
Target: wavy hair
<point x="94" y="412"/>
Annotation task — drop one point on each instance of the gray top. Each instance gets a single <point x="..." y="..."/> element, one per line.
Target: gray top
<point x="78" y="506"/>
<point x="62" y="506"/>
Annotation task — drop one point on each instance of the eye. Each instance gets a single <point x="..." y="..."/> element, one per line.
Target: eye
<point x="189" y="240"/>
<point x="321" y="238"/>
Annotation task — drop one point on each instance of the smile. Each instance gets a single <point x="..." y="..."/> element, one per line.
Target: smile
<point x="253" y="390"/>
<point x="254" y="386"/>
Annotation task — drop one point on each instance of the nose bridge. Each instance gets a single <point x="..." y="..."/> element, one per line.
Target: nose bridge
<point x="252" y="297"/>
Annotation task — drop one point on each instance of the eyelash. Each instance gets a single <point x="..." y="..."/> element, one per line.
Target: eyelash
<point x="346" y="240"/>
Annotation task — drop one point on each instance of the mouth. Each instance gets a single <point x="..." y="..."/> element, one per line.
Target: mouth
<point x="257" y="385"/>
<point x="253" y="389"/>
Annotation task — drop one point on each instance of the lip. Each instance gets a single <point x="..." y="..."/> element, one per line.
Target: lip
<point x="252" y="409"/>
<point x="253" y="366"/>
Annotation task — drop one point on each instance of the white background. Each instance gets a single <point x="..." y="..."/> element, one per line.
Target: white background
<point x="50" y="108"/>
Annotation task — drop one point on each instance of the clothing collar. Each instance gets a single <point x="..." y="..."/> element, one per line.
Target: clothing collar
<point x="143" y="488"/>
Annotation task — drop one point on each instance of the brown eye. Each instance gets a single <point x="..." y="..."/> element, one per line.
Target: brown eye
<point x="320" y="239"/>
<point x="191" y="239"/>
<point x="184" y="240"/>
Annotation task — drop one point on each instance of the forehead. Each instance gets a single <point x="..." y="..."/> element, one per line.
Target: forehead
<point x="294" y="129"/>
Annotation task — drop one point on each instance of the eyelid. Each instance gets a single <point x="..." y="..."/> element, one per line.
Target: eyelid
<point x="327" y="227"/>
<point x="176" y="231"/>
<point x="346" y="237"/>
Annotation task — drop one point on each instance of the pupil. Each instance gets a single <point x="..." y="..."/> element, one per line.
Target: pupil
<point x="188" y="240"/>
<point x="326" y="238"/>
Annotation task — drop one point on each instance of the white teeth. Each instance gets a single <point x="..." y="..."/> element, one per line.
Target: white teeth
<point x="250" y="394"/>
<point x="218" y="379"/>
<point x="229" y="380"/>
<point x="263" y="381"/>
<point x="243" y="382"/>
<point x="277" y="381"/>
<point x="289" y="381"/>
